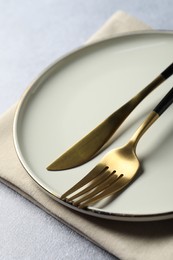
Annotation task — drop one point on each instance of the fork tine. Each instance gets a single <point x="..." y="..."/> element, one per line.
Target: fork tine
<point x="111" y="177"/>
<point x="116" y="186"/>
<point x="89" y="177"/>
<point x="101" y="177"/>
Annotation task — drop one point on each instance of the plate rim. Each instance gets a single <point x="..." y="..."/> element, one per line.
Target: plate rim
<point x="89" y="211"/>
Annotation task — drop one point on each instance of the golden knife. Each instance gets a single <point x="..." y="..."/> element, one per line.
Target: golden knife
<point x="88" y="146"/>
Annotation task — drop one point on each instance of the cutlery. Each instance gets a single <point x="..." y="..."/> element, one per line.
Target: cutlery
<point x="88" y="146"/>
<point x="117" y="168"/>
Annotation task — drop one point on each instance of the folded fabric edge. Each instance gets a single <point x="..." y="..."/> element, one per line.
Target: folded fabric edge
<point x="119" y="23"/>
<point x="40" y="206"/>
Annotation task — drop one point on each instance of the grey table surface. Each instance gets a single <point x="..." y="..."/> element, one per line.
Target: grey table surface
<point x="32" y="35"/>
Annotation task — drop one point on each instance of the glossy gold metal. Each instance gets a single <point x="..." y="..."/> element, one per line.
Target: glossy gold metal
<point x="88" y="146"/>
<point x="115" y="171"/>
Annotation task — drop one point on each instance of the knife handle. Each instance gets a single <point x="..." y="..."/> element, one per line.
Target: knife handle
<point x="168" y="71"/>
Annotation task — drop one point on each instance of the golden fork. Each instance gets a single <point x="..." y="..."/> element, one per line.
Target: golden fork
<point x="117" y="168"/>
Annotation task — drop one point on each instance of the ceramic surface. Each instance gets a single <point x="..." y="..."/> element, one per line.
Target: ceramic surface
<point x="79" y="91"/>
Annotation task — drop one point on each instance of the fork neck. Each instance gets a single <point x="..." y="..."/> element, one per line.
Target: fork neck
<point x="152" y="117"/>
<point x="166" y="101"/>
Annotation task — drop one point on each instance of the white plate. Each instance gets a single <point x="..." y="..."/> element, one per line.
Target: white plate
<point x="75" y="94"/>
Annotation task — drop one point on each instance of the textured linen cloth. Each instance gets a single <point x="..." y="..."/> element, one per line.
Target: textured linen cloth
<point x="122" y="239"/>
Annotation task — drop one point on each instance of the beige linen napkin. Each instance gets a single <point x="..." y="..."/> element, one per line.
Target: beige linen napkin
<point x="125" y="240"/>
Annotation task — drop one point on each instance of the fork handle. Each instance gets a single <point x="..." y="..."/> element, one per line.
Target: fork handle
<point x="152" y="117"/>
<point x="164" y="103"/>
